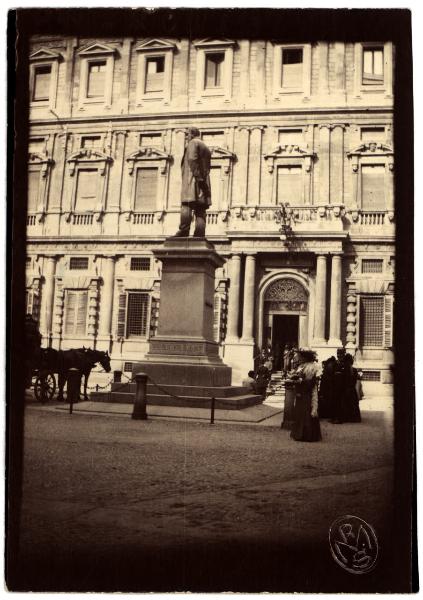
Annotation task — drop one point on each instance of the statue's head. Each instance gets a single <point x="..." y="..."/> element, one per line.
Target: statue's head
<point x="192" y="133"/>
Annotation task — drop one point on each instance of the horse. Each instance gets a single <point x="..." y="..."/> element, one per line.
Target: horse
<point x="83" y="359"/>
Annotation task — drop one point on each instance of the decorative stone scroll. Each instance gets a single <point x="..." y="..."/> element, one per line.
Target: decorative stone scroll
<point x="286" y="294"/>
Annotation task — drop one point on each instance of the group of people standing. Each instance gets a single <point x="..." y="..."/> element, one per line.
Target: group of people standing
<point x="332" y="392"/>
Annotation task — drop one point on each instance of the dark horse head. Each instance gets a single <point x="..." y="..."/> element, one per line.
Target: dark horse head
<point x="97" y="356"/>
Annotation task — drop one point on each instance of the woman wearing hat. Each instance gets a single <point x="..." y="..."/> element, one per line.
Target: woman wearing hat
<point x="306" y="427"/>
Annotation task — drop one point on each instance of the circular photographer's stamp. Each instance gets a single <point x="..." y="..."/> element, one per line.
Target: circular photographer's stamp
<point x="353" y="544"/>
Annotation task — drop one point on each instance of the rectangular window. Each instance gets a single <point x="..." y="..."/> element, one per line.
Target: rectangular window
<point x="76" y="302"/>
<point x="78" y="263"/>
<point x="146" y="190"/>
<point x="154" y="74"/>
<point x="151" y="140"/>
<point x="32" y="304"/>
<point x="96" y="79"/>
<point x="86" y="191"/>
<point x="216" y="187"/>
<point x="373" y="187"/>
<point x="290" y="136"/>
<point x="371" y="265"/>
<point x="91" y="141"/>
<point x="372" y="321"/>
<point x="36" y="145"/>
<point x="213" y="138"/>
<point x="289" y="185"/>
<point x="292" y="68"/>
<point x="42" y="78"/>
<point x="33" y="190"/>
<point x="140" y="263"/>
<point x="373" y="134"/>
<point x="137" y="314"/>
<point x="214" y="66"/>
<point x="373" y="65"/>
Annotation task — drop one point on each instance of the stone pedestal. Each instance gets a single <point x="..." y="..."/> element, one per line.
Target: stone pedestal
<point x="184" y="353"/>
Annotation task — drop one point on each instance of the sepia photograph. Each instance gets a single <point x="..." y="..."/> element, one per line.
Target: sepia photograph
<point x="210" y="308"/>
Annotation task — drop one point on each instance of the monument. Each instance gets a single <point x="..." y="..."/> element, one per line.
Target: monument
<point x="183" y="359"/>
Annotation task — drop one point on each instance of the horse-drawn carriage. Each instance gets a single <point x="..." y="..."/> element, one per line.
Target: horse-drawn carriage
<point x="42" y="364"/>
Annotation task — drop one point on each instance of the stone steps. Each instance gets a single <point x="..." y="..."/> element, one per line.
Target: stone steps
<point x="232" y="402"/>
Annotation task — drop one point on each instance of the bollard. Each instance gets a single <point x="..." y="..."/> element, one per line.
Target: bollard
<point x="74" y="385"/>
<point x="140" y="404"/>
<point x="213" y="401"/>
<point x="117" y="376"/>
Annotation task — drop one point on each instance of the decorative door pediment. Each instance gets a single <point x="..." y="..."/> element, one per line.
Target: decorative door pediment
<point x="286" y="295"/>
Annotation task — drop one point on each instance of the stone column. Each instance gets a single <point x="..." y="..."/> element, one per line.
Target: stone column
<point x="249" y="289"/>
<point x="335" y="302"/>
<point x="233" y="305"/>
<point x="106" y="298"/>
<point x="46" y="313"/>
<point x="324" y="171"/>
<point x="320" y="301"/>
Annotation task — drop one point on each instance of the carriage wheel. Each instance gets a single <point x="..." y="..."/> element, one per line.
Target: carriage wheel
<point x="45" y="387"/>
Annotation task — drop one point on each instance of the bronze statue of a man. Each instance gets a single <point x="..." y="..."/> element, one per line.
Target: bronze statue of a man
<point x="195" y="192"/>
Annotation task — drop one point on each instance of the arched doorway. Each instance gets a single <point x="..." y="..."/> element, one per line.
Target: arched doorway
<point x="285" y="316"/>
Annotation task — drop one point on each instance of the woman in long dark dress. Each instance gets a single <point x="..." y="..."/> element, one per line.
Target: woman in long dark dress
<point x="306" y="427"/>
<point x="350" y="410"/>
<point x="327" y="389"/>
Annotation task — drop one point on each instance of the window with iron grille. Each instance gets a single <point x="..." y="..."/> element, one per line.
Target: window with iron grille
<point x="78" y="263"/>
<point x="127" y="367"/>
<point x="370" y="376"/>
<point x="137" y="314"/>
<point x="372" y="321"/>
<point x="373" y="65"/>
<point x="96" y="79"/>
<point x="371" y="265"/>
<point x="213" y="72"/>
<point x="76" y="303"/>
<point x="42" y="78"/>
<point x="292" y="68"/>
<point x="140" y="263"/>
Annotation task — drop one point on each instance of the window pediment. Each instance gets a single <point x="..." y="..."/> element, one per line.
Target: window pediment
<point x="97" y="50"/>
<point x="214" y="43"/>
<point x="43" y="54"/>
<point x="372" y="148"/>
<point x="289" y="151"/>
<point x="43" y="160"/>
<point x="156" y="45"/>
<point x="223" y="157"/>
<point x="148" y="154"/>
<point x="88" y="155"/>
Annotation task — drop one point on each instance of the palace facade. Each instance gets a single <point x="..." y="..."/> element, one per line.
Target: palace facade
<point x="302" y="192"/>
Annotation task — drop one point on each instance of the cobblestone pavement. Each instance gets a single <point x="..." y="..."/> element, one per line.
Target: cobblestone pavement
<point x="115" y="504"/>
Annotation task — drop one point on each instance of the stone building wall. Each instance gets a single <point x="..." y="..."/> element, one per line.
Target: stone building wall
<point x="317" y="129"/>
